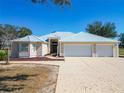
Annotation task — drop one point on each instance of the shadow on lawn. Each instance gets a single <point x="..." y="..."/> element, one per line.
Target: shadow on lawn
<point x="6" y="87"/>
<point x="10" y="88"/>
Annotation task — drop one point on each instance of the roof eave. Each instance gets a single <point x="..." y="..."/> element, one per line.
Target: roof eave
<point x="90" y="41"/>
<point x="30" y="41"/>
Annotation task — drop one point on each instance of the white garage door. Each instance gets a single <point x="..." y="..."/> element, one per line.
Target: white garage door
<point x="104" y="50"/>
<point x="77" y="50"/>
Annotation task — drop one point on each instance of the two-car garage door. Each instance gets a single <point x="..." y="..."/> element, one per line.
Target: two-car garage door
<point x="85" y="50"/>
<point x="77" y="50"/>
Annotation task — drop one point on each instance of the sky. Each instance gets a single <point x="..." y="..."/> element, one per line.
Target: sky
<point x="46" y="18"/>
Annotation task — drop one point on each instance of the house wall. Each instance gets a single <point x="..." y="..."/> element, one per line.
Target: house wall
<point x="44" y="49"/>
<point x="39" y="49"/>
<point x="115" y="50"/>
<point x="61" y="52"/>
<point x="32" y="50"/>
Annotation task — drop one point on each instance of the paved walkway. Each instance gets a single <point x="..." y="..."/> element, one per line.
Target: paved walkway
<point x="86" y="75"/>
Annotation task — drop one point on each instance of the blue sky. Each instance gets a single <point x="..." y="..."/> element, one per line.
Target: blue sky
<point x="43" y="19"/>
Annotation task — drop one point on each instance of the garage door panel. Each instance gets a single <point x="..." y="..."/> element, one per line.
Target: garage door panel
<point x="104" y="51"/>
<point x="77" y="50"/>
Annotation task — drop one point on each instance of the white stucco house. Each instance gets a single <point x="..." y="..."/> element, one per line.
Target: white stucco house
<point x="65" y="44"/>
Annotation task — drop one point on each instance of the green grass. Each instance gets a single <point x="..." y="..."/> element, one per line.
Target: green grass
<point x="121" y="51"/>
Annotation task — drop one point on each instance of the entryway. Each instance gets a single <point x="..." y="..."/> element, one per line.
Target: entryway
<point x="53" y="46"/>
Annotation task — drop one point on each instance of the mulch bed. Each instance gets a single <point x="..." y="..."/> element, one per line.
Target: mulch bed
<point x="37" y="59"/>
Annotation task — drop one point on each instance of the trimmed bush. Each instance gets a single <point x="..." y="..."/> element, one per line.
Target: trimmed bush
<point x="3" y="55"/>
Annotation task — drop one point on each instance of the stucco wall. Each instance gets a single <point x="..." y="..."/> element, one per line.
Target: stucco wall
<point x="33" y="52"/>
<point x="61" y="49"/>
<point x="115" y="50"/>
<point x="44" y="49"/>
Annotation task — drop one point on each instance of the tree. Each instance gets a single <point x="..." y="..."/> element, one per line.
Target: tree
<point x="121" y="38"/>
<point x="7" y="33"/>
<point x="106" y="30"/>
<point x="1" y="34"/>
<point x="23" y="31"/>
<point x="57" y="2"/>
<point x="10" y="32"/>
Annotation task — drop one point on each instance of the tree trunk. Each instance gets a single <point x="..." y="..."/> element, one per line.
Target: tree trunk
<point x="7" y="60"/>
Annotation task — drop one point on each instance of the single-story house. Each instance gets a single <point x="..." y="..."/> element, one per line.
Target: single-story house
<point x="65" y="44"/>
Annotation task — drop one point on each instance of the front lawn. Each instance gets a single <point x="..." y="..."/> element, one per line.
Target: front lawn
<point x="28" y="78"/>
<point x="121" y="51"/>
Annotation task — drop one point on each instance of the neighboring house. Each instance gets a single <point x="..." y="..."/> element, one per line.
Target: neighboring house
<point x="65" y="44"/>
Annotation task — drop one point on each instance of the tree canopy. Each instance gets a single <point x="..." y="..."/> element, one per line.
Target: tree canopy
<point x="10" y="32"/>
<point x="106" y="30"/>
<point x="57" y="2"/>
<point x="23" y="32"/>
<point x="7" y="32"/>
<point x="121" y="38"/>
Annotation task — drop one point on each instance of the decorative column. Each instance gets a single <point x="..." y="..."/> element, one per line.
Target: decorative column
<point x="49" y="45"/>
<point x="94" y="50"/>
<point x="115" y="50"/>
<point x="60" y="52"/>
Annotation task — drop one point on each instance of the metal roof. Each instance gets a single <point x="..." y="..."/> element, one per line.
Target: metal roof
<point x="87" y="37"/>
<point x="29" y="38"/>
<point x="60" y="35"/>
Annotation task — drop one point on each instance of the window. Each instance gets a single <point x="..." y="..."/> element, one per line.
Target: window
<point x="23" y="47"/>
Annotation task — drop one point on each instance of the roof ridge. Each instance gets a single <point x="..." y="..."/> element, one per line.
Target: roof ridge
<point x="38" y="38"/>
<point x="54" y="33"/>
<point x="72" y="36"/>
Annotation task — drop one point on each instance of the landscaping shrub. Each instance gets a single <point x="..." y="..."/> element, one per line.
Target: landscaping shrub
<point x="3" y="55"/>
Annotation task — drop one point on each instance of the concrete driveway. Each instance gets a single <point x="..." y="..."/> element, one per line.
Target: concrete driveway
<point x="91" y="75"/>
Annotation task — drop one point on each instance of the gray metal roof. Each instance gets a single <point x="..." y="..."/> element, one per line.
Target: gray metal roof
<point x="59" y="35"/>
<point x="29" y="38"/>
<point x="87" y="37"/>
